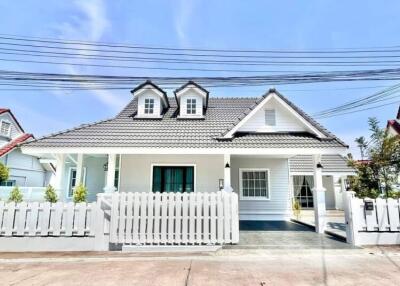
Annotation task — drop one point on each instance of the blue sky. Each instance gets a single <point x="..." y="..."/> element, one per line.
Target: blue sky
<point x="207" y="24"/>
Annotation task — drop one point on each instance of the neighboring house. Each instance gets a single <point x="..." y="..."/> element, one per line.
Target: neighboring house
<point x="25" y="170"/>
<point x="393" y="125"/>
<point x="257" y="147"/>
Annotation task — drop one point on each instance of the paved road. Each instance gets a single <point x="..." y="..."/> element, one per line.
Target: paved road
<point x="226" y="267"/>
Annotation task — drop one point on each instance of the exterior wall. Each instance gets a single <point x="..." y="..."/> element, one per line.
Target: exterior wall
<point x="26" y="169"/>
<point x="327" y="182"/>
<point x="279" y="206"/>
<point x="135" y="174"/>
<point x="157" y="104"/>
<point x="285" y="121"/>
<point x="94" y="176"/>
<point x="183" y="104"/>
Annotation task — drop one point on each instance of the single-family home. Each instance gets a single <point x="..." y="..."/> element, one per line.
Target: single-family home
<point x="24" y="170"/>
<point x="266" y="149"/>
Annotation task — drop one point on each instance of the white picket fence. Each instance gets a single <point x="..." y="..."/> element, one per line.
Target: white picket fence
<point x="174" y="218"/>
<point x="379" y="225"/>
<point x="46" y="219"/>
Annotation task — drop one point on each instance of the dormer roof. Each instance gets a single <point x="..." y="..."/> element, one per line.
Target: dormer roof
<point x="148" y="84"/>
<point x="191" y="84"/>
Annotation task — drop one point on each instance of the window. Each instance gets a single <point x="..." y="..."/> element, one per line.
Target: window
<point x="8" y="183"/>
<point x="254" y="184"/>
<point x="270" y="118"/>
<point x="72" y="180"/>
<point x="302" y="186"/>
<point x="148" y="106"/>
<point x="5" y="128"/>
<point x="191" y="106"/>
<point x="177" y="179"/>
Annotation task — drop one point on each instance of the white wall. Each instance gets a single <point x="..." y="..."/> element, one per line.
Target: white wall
<point x="285" y="121"/>
<point x="136" y="170"/>
<point x="25" y="169"/>
<point x="183" y="103"/>
<point x="279" y="205"/>
<point x="157" y="103"/>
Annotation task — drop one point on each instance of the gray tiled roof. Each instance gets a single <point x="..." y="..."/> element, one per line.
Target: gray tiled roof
<point x="330" y="163"/>
<point x="171" y="132"/>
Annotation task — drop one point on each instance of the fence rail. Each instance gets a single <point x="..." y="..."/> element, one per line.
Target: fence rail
<point x="169" y="218"/>
<point x="46" y="219"/>
<point x="372" y="221"/>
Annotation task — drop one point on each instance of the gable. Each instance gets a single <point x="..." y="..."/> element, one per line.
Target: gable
<point x="285" y="121"/>
<point x="289" y="113"/>
<point x="15" y="128"/>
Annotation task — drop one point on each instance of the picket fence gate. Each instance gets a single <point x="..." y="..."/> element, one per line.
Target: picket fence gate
<point x="372" y="221"/>
<point x="47" y="219"/>
<point x="174" y="218"/>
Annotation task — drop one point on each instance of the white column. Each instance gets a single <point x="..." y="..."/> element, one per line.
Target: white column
<point x="227" y="173"/>
<point x="60" y="167"/>
<point x="109" y="188"/>
<point x="319" y="196"/>
<point x="79" y="169"/>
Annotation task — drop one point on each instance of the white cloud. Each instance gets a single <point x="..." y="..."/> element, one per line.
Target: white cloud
<point x="184" y="12"/>
<point x="90" y="23"/>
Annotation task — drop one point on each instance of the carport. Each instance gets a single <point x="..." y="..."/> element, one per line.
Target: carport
<point x="283" y="235"/>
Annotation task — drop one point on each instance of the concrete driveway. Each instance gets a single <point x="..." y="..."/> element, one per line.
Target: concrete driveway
<point x="227" y="267"/>
<point x="283" y="235"/>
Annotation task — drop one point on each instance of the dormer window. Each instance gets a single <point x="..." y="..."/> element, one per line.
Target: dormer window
<point x="191" y="106"/>
<point x="192" y="100"/>
<point x="270" y="117"/>
<point x="5" y="128"/>
<point x="149" y="106"/>
<point x="152" y="101"/>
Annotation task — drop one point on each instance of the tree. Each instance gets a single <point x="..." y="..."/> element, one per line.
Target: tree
<point x="377" y="174"/>
<point x="16" y="196"/>
<point x="80" y="193"/>
<point x="362" y="144"/>
<point x="4" y="173"/>
<point x="50" y="194"/>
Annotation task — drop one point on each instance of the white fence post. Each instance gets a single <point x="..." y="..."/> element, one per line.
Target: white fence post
<point x="351" y="227"/>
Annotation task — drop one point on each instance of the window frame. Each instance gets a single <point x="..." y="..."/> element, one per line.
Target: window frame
<point x="70" y="169"/>
<point x="265" y="117"/>
<point x="246" y="198"/>
<point x="173" y="165"/>
<point x="150" y="107"/>
<point x="9" y="129"/>
<point x="193" y="106"/>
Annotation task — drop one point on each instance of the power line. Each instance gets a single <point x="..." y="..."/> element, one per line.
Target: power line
<point x="131" y="46"/>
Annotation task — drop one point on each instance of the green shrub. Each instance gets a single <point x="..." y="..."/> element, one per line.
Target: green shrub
<point x="393" y="194"/>
<point x="50" y="194"/>
<point x="15" y="195"/>
<point x="80" y="193"/>
<point x="4" y="173"/>
<point x="368" y="193"/>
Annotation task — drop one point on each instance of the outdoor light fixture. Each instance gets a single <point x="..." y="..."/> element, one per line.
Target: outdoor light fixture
<point x="105" y="166"/>
<point x="227" y="165"/>
<point x="319" y="166"/>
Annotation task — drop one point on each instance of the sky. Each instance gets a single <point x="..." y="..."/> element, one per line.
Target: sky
<point x="284" y="25"/>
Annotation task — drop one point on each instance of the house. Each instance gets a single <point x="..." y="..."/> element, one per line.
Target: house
<point x="393" y="125"/>
<point x="25" y="170"/>
<point x="193" y="142"/>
